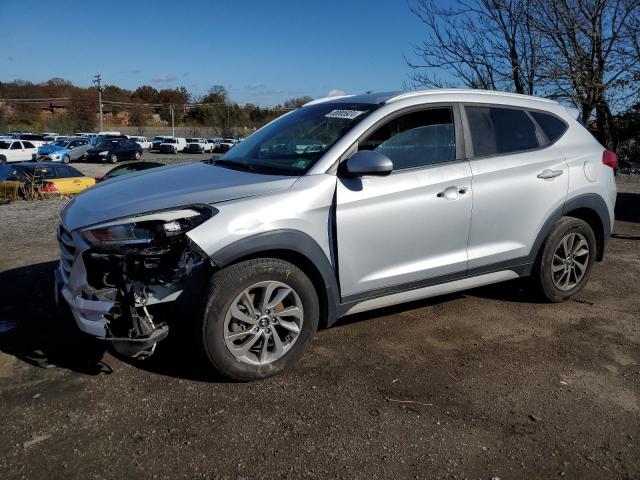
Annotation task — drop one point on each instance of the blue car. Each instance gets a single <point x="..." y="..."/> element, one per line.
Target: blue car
<point x="64" y="150"/>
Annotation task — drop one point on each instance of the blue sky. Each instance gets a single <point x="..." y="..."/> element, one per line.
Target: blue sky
<point x="263" y="51"/>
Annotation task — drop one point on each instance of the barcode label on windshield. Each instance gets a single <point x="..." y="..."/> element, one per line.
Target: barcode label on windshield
<point x="346" y="114"/>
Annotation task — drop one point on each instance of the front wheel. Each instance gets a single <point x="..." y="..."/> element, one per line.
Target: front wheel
<point x="259" y="319"/>
<point x="565" y="262"/>
<point x="65" y="159"/>
<point x="137" y="156"/>
<point x="113" y="158"/>
<point x="3" y="159"/>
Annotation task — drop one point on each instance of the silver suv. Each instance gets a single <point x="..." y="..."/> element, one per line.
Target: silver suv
<point x="345" y="205"/>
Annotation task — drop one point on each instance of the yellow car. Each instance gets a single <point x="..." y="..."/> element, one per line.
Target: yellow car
<point x="45" y="177"/>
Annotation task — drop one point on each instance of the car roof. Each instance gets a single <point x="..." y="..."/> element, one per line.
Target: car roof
<point x="465" y="94"/>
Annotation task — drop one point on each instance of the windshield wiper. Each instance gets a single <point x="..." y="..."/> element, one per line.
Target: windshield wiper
<point x="234" y="165"/>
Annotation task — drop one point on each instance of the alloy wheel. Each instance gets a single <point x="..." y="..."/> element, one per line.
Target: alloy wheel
<point x="263" y="322"/>
<point x="570" y="261"/>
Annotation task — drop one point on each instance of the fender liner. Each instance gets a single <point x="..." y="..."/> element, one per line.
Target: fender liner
<point x="293" y="241"/>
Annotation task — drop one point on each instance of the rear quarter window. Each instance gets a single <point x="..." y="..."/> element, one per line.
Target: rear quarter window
<point x="551" y="125"/>
<point x="499" y="131"/>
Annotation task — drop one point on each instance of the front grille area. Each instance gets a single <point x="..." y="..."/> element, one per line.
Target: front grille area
<point x="67" y="250"/>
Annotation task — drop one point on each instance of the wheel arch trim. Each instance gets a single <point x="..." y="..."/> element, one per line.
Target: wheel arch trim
<point x="589" y="201"/>
<point x="281" y="244"/>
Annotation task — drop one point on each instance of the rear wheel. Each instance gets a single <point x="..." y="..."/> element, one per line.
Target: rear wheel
<point x="259" y="319"/>
<point x="3" y="159"/>
<point x="565" y="262"/>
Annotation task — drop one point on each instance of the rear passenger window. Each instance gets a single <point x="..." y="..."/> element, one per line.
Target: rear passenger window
<point x="496" y="131"/>
<point x="416" y="139"/>
<point x="552" y="126"/>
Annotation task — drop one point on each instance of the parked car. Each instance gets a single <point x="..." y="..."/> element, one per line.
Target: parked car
<point x="64" y="150"/>
<point x="142" y="141"/>
<point x="396" y="197"/>
<point x="198" y="145"/>
<point x="156" y="141"/>
<point x="37" y="140"/>
<point x="114" y="149"/>
<point x="173" y="145"/>
<point x="17" y="151"/>
<point x="227" y="144"/>
<point x="216" y="144"/>
<point x="127" y="169"/>
<point x="46" y="177"/>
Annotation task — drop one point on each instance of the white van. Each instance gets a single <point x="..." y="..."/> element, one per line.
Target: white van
<point x="173" y="145"/>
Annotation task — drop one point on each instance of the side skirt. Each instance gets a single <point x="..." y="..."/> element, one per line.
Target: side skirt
<point x="429" y="291"/>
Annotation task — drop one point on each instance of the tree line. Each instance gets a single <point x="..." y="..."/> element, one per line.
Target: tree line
<point x="585" y="52"/>
<point x="22" y="103"/>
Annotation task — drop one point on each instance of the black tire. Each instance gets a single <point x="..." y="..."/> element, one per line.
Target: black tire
<point x="113" y="158"/>
<point x="225" y="286"/>
<point x="137" y="155"/>
<point x="543" y="274"/>
<point x="66" y="159"/>
<point x="3" y="159"/>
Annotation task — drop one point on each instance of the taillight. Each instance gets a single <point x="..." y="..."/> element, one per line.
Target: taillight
<point x="49" y="188"/>
<point x="610" y="159"/>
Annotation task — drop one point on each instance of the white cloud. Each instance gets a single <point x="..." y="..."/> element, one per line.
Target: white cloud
<point x="164" y="78"/>
<point x="335" y="93"/>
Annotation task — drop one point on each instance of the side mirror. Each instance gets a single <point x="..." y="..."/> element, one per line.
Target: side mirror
<point x="368" y="162"/>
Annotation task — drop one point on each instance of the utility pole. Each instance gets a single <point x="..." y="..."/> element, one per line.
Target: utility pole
<point x="97" y="79"/>
<point x="173" y="128"/>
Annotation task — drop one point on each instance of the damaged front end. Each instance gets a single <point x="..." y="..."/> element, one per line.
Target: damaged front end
<point x="122" y="270"/>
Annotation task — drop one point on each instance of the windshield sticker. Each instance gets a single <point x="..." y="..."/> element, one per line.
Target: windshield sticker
<point x="301" y="163"/>
<point x="346" y="114"/>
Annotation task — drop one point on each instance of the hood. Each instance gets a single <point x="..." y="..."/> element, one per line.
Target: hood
<point x="166" y="187"/>
<point x="99" y="149"/>
<point x="50" y="148"/>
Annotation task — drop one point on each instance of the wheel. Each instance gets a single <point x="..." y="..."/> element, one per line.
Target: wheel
<point x="564" y="265"/>
<point x="113" y="158"/>
<point x="65" y="159"/>
<point x="175" y="151"/>
<point x="260" y="318"/>
<point x="3" y="159"/>
<point x="137" y="156"/>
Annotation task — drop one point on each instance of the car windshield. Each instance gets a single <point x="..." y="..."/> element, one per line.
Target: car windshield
<point x="295" y="142"/>
<point x="158" y="139"/>
<point x="170" y="140"/>
<point x="61" y="143"/>
<point x="192" y="140"/>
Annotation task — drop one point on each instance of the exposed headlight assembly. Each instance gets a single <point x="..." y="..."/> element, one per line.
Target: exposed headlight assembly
<point x="105" y="152"/>
<point x="148" y="228"/>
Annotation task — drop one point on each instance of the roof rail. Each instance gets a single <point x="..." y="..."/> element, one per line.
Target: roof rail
<point x="419" y="93"/>
<point x="325" y="99"/>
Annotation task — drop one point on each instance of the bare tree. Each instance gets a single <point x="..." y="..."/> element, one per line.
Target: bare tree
<point x="488" y="44"/>
<point x="588" y="55"/>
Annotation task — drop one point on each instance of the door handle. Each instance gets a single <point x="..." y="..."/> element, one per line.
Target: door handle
<point x="452" y="193"/>
<point x="548" y="174"/>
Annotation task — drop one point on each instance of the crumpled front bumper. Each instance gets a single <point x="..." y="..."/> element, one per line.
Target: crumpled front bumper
<point x="88" y="314"/>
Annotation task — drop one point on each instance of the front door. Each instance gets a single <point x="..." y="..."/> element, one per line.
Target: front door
<point x="412" y="225"/>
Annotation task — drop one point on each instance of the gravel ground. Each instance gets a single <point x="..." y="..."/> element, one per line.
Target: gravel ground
<point x="487" y="383"/>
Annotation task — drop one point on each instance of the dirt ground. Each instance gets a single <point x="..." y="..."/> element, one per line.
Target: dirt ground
<point x="480" y="385"/>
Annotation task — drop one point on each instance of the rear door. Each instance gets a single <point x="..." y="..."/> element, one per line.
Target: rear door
<point x="399" y="230"/>
<point x="519" y="180"/>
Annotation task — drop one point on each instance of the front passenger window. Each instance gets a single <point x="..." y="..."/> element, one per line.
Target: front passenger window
<point x="415" y="139"/>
